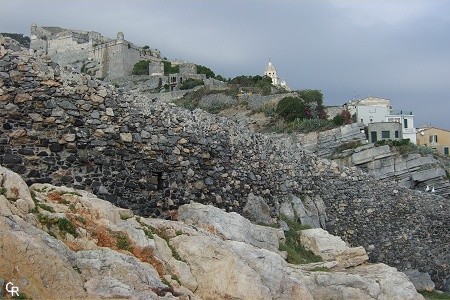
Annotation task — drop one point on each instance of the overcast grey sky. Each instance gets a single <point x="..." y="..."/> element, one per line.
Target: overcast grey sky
<point x="395" y="49"/>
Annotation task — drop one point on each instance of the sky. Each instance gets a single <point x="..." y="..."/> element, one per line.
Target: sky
<point x="348" y="49"/>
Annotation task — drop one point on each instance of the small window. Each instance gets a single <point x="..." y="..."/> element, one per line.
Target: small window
<point x="396" y="134"/>
<point x="433" y="139"/>
<point x="446" y="151"/>
<point x="385" y="134"/>
<point x="405" y="123"/>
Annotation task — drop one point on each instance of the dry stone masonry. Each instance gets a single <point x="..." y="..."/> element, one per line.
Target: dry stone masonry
<point x="152" y="157"/>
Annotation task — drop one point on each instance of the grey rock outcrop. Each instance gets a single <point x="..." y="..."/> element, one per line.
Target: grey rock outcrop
<point x="76" y="246"/>
<point x="231" y="226"/>
<point x="421" y="281"/>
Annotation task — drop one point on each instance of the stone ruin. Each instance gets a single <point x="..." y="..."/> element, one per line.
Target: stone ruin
<point x="89" y="51"/>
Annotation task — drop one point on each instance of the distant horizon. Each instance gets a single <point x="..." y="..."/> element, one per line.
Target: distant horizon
<point x="390" y="49"/>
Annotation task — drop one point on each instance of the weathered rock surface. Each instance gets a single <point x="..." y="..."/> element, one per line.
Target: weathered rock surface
<point x="332" y="248"/>
<point x="73" y="245"/>
<point x="230" y="226"/>
<point x="421" y="281"/>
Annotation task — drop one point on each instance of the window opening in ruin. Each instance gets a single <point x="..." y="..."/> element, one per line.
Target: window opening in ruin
<point x="385" y="134"/>
<point x="160" y="181"/>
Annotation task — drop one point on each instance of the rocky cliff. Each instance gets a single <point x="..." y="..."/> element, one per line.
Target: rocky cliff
<point x="151" y="157"/>
<point x="61" y="243"/>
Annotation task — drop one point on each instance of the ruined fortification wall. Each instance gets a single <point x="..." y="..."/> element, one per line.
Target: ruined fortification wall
<point x="69" y="129"/>
<point x="66" y="50"/>
<point x="115" y="58"/>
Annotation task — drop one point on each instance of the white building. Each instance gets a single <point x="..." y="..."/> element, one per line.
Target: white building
<point x="371" y="114"/>
<point x="272" y="73"/>
<point x="378" y="110"/>
<point x="407" y="121"/>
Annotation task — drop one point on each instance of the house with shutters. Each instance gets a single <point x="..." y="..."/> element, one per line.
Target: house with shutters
<point x="435" y="138"/>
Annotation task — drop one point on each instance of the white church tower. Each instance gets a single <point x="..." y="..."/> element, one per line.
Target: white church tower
<point x="272" y="73"/>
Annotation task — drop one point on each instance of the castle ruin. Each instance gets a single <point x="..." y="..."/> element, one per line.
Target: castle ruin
<point x="89" y="51"/>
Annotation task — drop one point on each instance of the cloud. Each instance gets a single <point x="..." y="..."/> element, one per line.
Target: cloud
<point x="395" y="49"/>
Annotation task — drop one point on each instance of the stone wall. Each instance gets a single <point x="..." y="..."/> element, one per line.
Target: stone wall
<point x="74" y="48"/>
<point x="150" y="156"/>
<point x="324" y="143"/>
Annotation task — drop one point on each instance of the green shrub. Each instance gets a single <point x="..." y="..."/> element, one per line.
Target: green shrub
<point x="141" y="67"/>
<point x="46" y="207"/>
<point x="338" y="120"/>
<point x="175" y="253"/>
<point x="169" y="69"/>
<point x="122" y="241"/>
<point x="310" y="125"/>
<point x="291" y="108"/>
<point x="66" y="226"/>
<point x="205" y="70"/>
<point x="190" y="84"/>
<point x="296" y="253"/>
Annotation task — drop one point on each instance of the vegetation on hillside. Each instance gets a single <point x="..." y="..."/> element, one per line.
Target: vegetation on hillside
<point x="190" y="84"/>
<point x="405" y="147"/>
<point x="256" y="84"/>
<point x="296" y="252"/>
<point x="305" y="113"/>
<point x="169" y="69"/>
<point x="205" y="70"/>
<point x="24" y="41"/>
<point x="141" y="67"/>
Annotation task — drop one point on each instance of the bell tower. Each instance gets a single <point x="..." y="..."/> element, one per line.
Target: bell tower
<point x="272" y="73"/>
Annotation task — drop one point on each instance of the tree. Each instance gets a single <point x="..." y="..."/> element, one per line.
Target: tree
<point x="312" y="96"/>
<point x="169" y="69"/>
<point x="205" y="70"/>
<point x="291" y="108"/>
<point x="338" y="120"/>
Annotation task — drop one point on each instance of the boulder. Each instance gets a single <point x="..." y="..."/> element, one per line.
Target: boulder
<point x="235" y="270"/>
<point x="257" y="210"/>
<point x="230" y="226"/>
<point x="110" y="274"/>
<point x="332" y="248"/>
<point x="377" y="281"/>
<point x="14" y="188"/>
<point x="421" y="281"/>
<point x="36" y="262"/>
